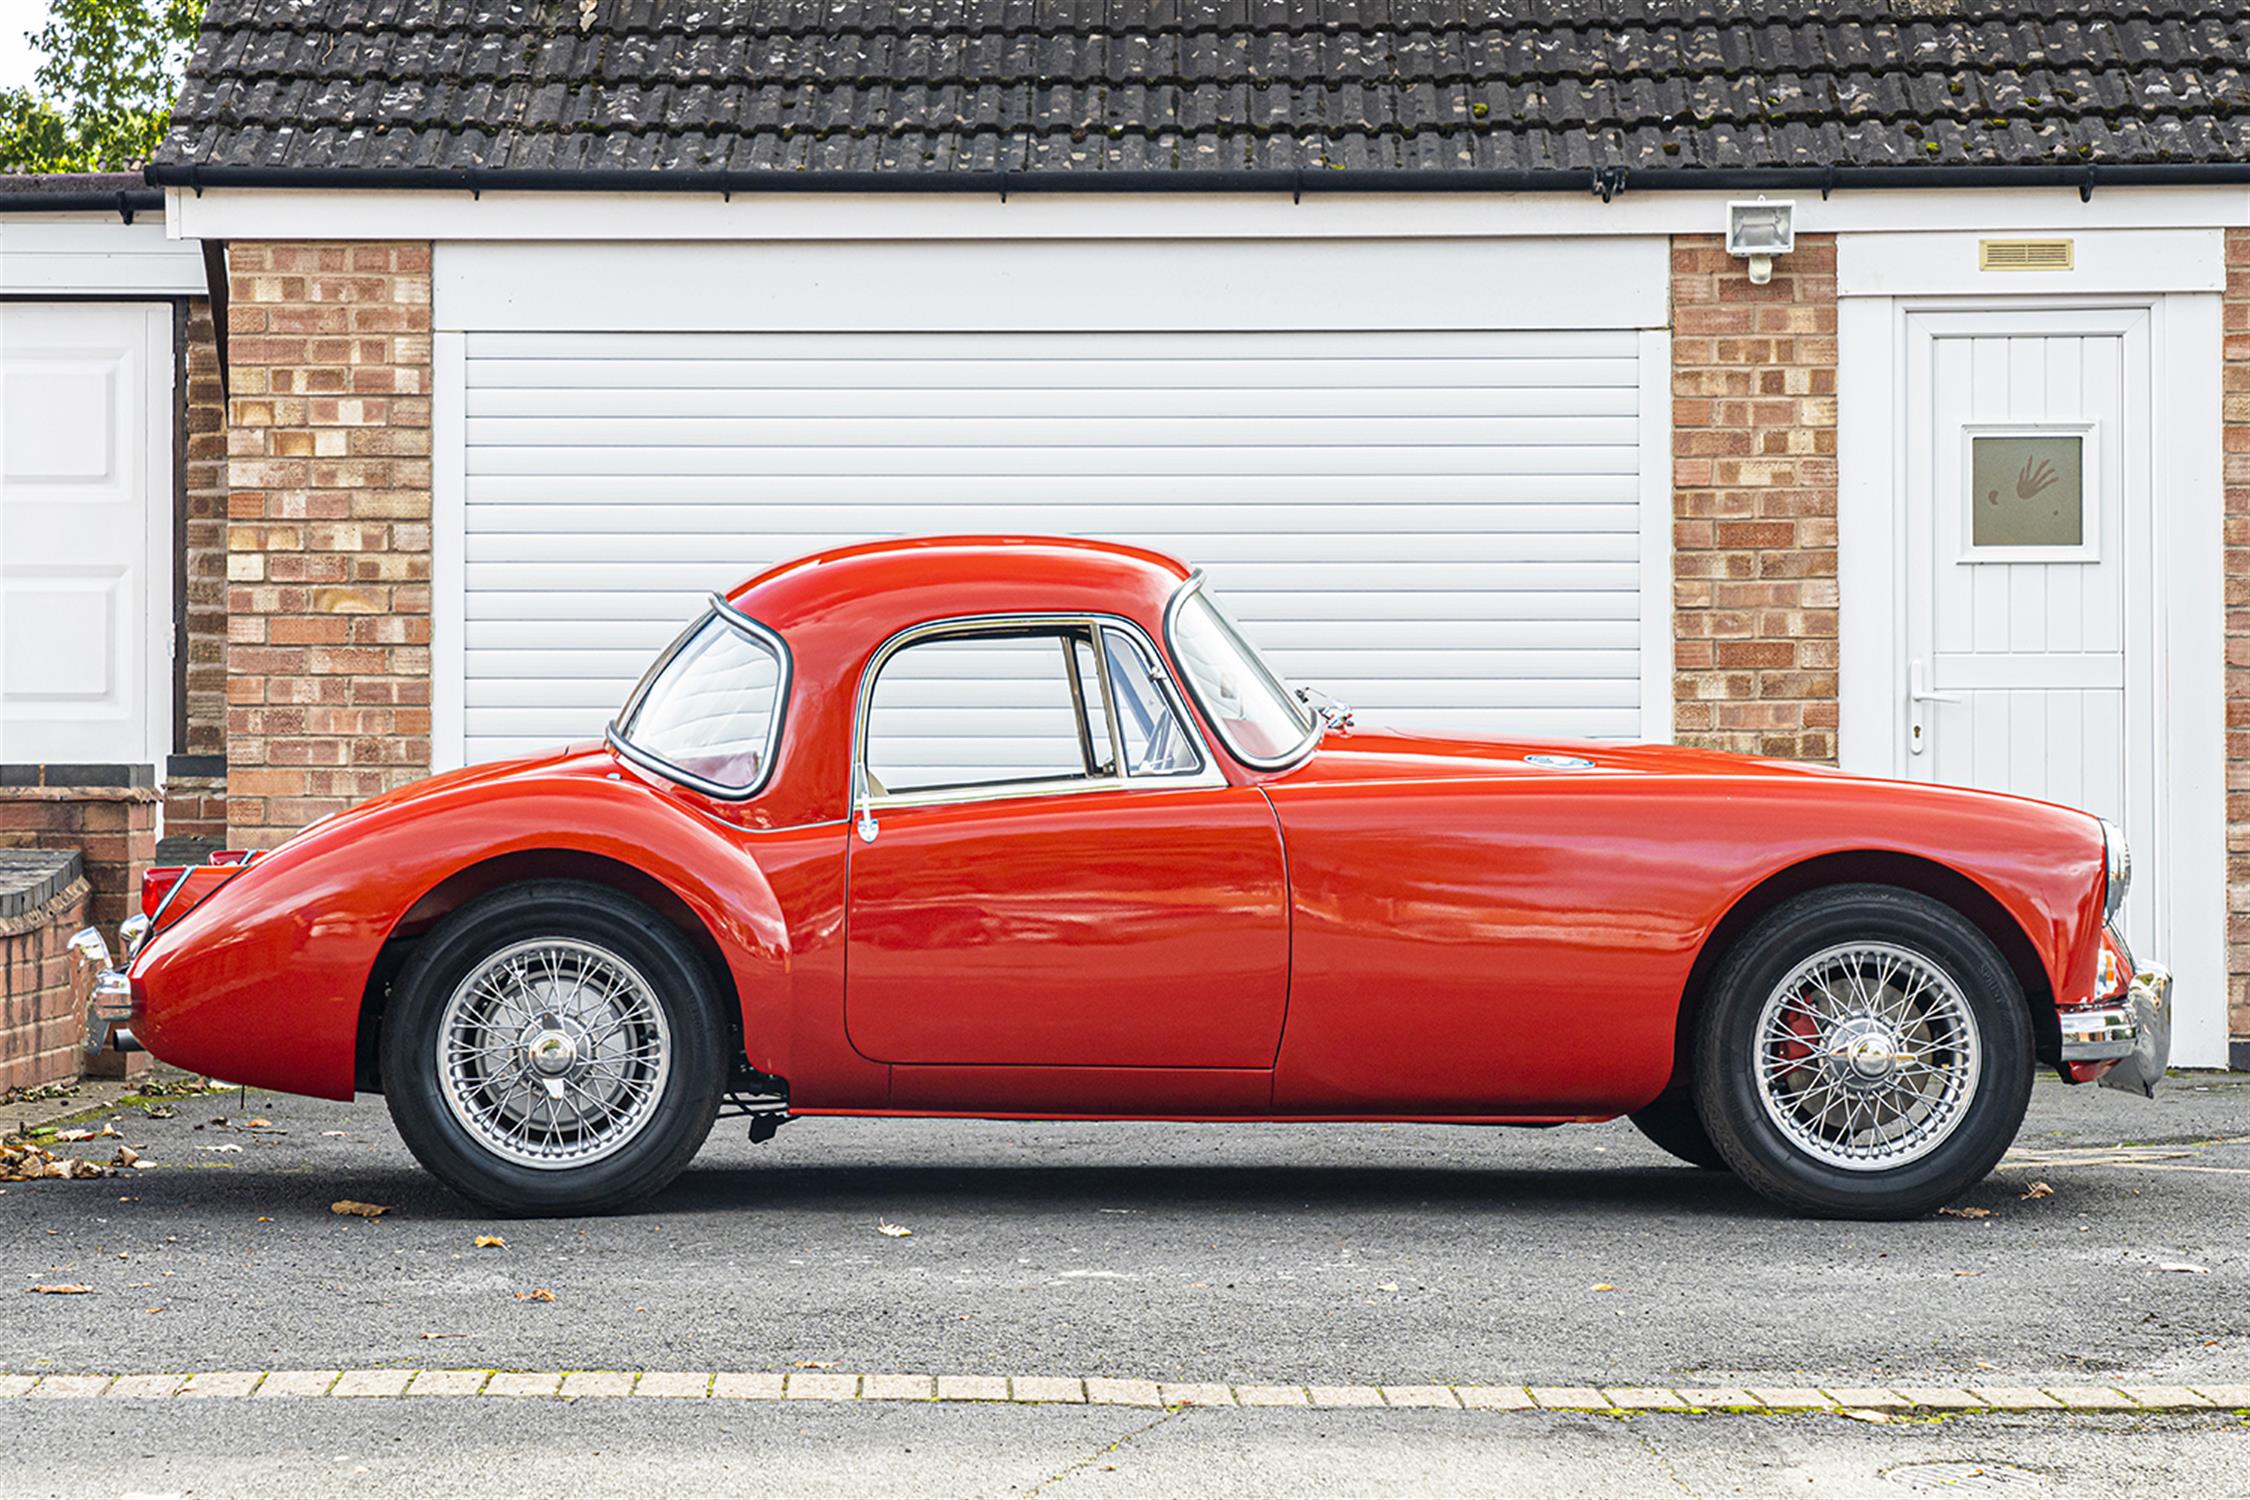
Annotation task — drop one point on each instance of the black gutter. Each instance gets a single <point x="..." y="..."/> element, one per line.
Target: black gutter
<point x="1606" y="182"/>
<point x="124" y="202"/>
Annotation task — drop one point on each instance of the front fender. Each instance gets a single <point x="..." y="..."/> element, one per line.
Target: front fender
<point x="262" y="983"/>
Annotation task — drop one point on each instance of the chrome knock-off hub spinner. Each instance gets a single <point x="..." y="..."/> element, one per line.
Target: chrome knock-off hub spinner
<point x="551" y="1052"/>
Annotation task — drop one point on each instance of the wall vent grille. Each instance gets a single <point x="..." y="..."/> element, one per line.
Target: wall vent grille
<point x="2024" y="255"/>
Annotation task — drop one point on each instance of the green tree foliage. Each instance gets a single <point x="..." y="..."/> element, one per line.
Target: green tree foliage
<point x="102" y="97"/>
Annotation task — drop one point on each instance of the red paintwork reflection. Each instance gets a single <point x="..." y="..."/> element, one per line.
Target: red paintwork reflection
<point x="1400" y="926"/>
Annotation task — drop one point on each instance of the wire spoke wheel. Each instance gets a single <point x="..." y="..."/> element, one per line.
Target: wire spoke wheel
<point x="553" y="1052"/>
<point x="1867" y="1056"/>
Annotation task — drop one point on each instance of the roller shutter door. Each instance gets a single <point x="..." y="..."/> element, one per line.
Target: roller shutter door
<point x="1441" y="528"/>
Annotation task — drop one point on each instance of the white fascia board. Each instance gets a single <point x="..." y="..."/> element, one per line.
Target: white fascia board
<point x="1083" y="285"/>
<point x="263" y="213"/>
<point x="86" y="255"/>
<point x="1944" y="263"/>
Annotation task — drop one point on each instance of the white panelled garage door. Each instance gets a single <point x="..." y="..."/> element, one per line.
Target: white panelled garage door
<point x="1443" y="529"/>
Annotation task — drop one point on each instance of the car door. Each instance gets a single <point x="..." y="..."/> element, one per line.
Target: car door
<point x="1047" y="867"/>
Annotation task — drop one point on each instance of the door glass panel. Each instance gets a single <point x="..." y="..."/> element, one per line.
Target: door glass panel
<point x="1157" y="742"/>
<point x="2027" y="490"/>
<point x="972" y="711"/>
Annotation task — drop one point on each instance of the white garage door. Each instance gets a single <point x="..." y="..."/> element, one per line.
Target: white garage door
<point x="1443" y="529"/>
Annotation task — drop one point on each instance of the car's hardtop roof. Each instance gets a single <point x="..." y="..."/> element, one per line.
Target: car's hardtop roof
<point x="965" y="575"/>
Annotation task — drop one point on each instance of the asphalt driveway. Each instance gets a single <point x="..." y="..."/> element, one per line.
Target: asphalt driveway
<point x="1242" y="1253"/>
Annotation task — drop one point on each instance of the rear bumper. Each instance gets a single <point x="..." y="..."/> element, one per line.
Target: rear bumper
<point x="2131" y="1035"/>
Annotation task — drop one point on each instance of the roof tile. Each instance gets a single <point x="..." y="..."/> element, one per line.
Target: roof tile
<point x="921" y="86"/>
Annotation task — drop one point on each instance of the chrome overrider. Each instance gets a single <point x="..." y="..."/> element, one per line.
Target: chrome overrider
<point x="2134" y="1031"/>
<point x="100" y="989"/>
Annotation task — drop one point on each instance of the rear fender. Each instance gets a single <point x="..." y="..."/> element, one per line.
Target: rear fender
<point x="262" y="983"/>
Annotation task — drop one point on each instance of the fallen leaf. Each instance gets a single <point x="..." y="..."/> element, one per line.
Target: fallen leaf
<point x="260" y="1124"/>
<point x="1601" y="1286"/>
<point x="894" y="1231"/>
<point x="1966" y="1213"/>
<point x="444" y="1335"/>
<point x="2185" y="1268"/>
<point x="536" y="1294"/>
<point x="491" y="1242"/>
<point x="1386" y="1286"/>
<point x="265" y="1218"/>
<point x="813" y="1364"/>
<point x="361" y="1210"/>
<point x="126" y="1157"/>
<point x="2039" y="1190"/>
<point x="62" y="1289"/>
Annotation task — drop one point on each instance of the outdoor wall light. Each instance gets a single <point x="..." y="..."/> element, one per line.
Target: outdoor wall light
<point x="1760" y="231"/>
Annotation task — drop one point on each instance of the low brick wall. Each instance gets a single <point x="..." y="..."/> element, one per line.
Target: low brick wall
<point x="43" y="900"/>
<point x="113" y="828"/>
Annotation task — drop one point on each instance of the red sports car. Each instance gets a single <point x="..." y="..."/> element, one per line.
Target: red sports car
<point x="1154" y="882"/>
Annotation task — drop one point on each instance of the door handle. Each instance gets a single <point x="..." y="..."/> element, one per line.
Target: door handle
<point x="1919" y="692"/>
<point x="863" y="811"/>
<point x="1918" y="686"/>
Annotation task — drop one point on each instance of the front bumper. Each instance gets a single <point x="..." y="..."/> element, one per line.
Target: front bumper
<point x="103" y="995"/>
<point x="2132" y="1035"/>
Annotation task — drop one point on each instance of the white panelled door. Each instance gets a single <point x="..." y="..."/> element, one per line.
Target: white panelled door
<point x="2029" y="604"/>
<point x="85" y="531"/>
<point x="1444" y="529"/>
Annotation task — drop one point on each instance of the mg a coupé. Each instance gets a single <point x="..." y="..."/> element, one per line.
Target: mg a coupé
<point x="789" y="882"/>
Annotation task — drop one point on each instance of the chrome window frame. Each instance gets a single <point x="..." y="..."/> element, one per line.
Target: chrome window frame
<point x="1188" y="589"/>
<point x="768" y="752"/>
<point x="1205" y="775"/>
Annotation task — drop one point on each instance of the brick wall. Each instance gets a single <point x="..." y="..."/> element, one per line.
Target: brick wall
<point x="2236" y="478"/>
<point x="112" y="828"/>
<point x="196" y="806"/>
<point x="40" y="1028"/>
<point x="1754" y="499"/>
<point x="328" y="536"/>
<point x="206" y="539"/>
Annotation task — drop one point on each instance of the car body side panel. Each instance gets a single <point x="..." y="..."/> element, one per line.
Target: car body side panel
<point x="1146" y="927"/>
<point x="1523" y="942"/>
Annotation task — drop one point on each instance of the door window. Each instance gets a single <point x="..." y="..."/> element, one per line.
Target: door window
<point x="1023" y="708"/>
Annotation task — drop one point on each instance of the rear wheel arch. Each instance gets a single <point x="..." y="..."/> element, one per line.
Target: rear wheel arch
<point x="1909" y="872"/>
<point x="473" y="881"/>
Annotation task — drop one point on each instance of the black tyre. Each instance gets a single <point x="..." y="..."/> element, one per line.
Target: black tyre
<point x="554" y="1048"/>
<point x="1865" y="1053"/>
<point x="1672" y="1123"/>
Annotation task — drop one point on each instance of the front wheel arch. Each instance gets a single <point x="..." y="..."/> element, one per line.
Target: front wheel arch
<point x="474" y="881"/>
<point x="1908" y="872"/>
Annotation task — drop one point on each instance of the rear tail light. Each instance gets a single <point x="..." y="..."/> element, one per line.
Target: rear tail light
<point x="156" y="884"/>
<point x="171" y="891"/>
